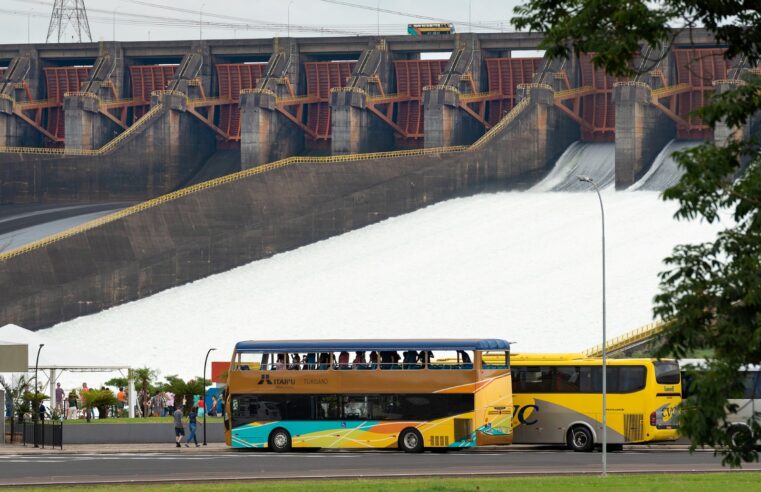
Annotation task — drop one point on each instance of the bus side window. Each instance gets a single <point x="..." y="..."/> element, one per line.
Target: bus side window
<point x="749" y="381"/>
<point x="758" y="385"/>
<point x="566" y="379"/>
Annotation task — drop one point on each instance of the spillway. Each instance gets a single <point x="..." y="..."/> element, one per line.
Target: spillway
<point x="596" y="160"/>
<point x="665" y="172"/>
<point x="521" y="266"/>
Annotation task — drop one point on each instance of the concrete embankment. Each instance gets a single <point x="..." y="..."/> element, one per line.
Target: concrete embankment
<point x="217" y="225"/>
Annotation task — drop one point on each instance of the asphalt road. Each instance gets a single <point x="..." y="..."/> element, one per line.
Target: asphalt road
<point x="252" y="465"/>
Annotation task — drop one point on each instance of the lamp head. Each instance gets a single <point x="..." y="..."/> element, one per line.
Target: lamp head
<point x="585" y="179"/>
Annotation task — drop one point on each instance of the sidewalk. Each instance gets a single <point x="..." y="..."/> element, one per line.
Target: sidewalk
<point x="13" y="449"/>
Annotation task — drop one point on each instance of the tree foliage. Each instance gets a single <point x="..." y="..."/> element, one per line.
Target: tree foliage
<point x="100" y="399"/>
<point x="711" y="292"/>
<point x="184" y="390"/>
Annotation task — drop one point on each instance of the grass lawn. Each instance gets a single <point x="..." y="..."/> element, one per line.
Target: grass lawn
<point x="136" y="420"/>
<point x="745" y="481"/>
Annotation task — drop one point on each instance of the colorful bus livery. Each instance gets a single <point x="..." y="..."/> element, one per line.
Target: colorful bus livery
<point x="558" y="400"/>
<point x="437" y="29"/>
<point x="411" y="403"/>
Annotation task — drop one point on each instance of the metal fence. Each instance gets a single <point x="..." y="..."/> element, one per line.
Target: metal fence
<point x="37" y="433"/>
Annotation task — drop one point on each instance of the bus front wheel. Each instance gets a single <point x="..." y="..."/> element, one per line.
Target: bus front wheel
<point x="580" y="439"/>
<point x="280" y="441"/>
<point x="410" y="441"/>
<point x="740" y="438"/>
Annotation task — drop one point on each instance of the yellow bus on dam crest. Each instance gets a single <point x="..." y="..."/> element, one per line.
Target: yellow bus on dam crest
<point x="558" y="400"/>
<point x="405" y="394"/>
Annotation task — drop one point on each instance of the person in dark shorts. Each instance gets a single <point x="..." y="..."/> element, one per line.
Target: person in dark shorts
<point x="179" y="429"/>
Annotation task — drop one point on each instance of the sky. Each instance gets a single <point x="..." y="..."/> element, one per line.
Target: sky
<point x="140" y="20"/>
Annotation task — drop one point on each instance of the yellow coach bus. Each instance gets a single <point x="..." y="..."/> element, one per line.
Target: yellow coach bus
<point x="558" y="400"/>
<point x="405" y="394"/>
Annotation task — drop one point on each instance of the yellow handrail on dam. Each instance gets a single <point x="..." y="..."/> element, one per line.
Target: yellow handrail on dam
<point x="517" y="109"/>
<point x="627" y="339"/>
<point x="79" y="152"/>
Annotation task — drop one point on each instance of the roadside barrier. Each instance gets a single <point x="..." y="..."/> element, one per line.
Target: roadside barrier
<point x="41" y="433"/>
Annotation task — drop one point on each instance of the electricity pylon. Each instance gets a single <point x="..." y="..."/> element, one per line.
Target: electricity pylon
<point x="69" y="14"/>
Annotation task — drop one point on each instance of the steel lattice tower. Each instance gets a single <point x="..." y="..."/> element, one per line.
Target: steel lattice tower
<point x="69" y="13"/>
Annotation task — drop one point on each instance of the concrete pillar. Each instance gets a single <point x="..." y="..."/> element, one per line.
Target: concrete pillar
<point x="131" y="393"/>
<point x="51" y="387"/>
<point x="11" y="133"/>
<point x="354" y="129"/>
<point x="642" y="130"/>
<point x="2" y="420"/>
<point x="265" y="134"/>
<point x="445" y="124"/>
<point x="724" y="133"/>
<point x="82" y="116"/>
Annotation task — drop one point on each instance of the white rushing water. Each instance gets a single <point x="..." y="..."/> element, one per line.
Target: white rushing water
<point x="520" y="266"/>
<point x="594" y="160"/>
<point x="665" y="172"/>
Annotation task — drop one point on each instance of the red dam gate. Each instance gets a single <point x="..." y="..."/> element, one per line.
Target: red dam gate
<point x="146" y="79"/>
<point x="231" y="79"/>
<point x="698" y="68"/>
<point x="411" y="77"/>
<point x="597" y="109"/>
<point x="504" y="75"/>
<point x="59" y="81"/>
<point x="321" y="77"/>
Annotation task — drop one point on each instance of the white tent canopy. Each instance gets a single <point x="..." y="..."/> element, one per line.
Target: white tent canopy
<point x="57" y="357"/>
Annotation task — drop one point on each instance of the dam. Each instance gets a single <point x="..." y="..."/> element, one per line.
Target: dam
<point x="214" y="154"/>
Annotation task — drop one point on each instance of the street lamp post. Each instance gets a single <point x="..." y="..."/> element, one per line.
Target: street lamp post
<point x="589" y="180"/>
<point x="205" y="409"/>
<point x="36" y="411"/>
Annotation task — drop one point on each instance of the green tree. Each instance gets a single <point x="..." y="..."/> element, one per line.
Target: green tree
<point x="711" y="293"/>
<point x="100" y="399"/>
<point x="15" y="393"/>
<point x="184" y="390"/>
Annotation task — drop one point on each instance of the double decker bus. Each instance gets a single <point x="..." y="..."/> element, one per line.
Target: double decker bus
<point x="405" y="394"/>
<point x="435" y="29"/>
<point x="558" y="400"/>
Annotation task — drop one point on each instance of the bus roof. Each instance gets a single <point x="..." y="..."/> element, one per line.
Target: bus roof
<point x="367" y="345"/>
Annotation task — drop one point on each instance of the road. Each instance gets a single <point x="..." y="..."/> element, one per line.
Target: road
<point x="252" y="465"/>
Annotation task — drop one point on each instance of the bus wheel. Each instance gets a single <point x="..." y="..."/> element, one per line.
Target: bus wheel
<point x="580" y="439"/>
<point x="410" y="441"/>
<point x="280" y="440"/>
<point x="740" y="438"/>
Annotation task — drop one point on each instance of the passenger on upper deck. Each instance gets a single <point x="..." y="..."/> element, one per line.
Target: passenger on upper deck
<point x="373" y="360"/>
<point x="295" y="364"/>
<point x="311" y="362"/>
<point x="280" y="364"/>
<point x="324" y="361"/>
<point x="359" y="360"/>
<point x="410" y="359"/>
<point x="343" y="360"/>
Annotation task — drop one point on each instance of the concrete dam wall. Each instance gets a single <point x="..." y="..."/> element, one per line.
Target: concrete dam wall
<point x="217" y="225"/>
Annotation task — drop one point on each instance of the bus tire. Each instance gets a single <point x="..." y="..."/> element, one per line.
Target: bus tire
<point x="410" y="441"/>
<point x="279" y="440"/>
<point x="580" y="439"/>
<point x="740" y="438"/>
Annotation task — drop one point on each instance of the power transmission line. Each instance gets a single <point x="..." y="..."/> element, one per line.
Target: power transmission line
<point x="68" y="13"/>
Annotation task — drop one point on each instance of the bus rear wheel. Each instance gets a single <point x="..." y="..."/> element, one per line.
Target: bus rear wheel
<point x="580" y="439"/>
<point x="740" y="438"/>
<point x="280" y="440"/>
<point x="410" y="441"/>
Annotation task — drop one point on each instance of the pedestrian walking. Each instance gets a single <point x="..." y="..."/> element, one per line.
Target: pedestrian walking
<point x="121" y="398"/>
<point x="192" y="424"/>
<point x="59" y="393"/>
<point x="170" y="403"/>
<point x="179" y="428"/>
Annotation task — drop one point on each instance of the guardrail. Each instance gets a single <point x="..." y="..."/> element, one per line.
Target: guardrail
<point x="41" y="433"/>
<point x="575" y="92"/>
<point x="627" y="339"/>
<point x="670" y="90"/>
<point x="154" y="111"/>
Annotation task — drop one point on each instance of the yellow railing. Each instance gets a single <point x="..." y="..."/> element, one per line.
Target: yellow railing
<point x="509" y="118"/>
<point x="627" y="339"/>
<point x="480" y="96"/>
<point x="169" y="92"/>
<point x="737" y="82"/>
<point x="632" y="83"/>
<point x="348" y="89"/>
<point x="385" y="97"/>
<point x="670" y="90"/>
<point x="103" y="150"/>
<point x="218" y="182"/>
<point x="441" y="87"/>
<point x="258" y="91"/>
<point x="517" y="109"/>
<point x="575" y="92"/>
<point x="91" y="95"/>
